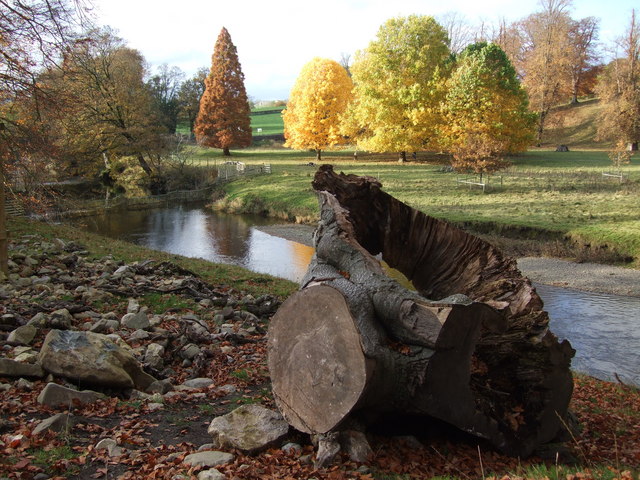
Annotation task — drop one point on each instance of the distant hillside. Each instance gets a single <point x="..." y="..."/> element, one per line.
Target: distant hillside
<point x="575" y="126"/>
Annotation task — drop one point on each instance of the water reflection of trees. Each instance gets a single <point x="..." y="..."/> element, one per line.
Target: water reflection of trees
<point x="195" y="232"/>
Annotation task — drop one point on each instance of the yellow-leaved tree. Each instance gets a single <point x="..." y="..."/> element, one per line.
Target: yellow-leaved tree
<point x="317" y="101"/>
<point x="486" y="111"/>
<point x="398" y="87"/>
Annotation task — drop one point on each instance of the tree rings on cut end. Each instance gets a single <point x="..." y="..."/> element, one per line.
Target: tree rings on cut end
<point x="317" y="366"/>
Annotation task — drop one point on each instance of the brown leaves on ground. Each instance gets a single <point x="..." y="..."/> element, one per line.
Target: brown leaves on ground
<point x="607" y="445"/>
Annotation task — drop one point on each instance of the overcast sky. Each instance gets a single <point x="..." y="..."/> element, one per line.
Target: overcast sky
<point x="276" y="38"/>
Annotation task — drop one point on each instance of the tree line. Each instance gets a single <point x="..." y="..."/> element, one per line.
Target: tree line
<point x="428" y="85"/>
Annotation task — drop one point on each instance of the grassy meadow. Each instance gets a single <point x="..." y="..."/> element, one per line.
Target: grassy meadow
<point x="544" y="194"/>
<point x="268" y="123"/>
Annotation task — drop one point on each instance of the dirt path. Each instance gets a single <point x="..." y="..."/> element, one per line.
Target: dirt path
<point x="589" y="277"/>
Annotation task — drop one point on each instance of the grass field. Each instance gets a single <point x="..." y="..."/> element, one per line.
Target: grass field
<point x="269" y="123"/>
<point x="548" y="192"/>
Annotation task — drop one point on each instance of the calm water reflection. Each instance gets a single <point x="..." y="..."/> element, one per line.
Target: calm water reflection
<point x="194" y="231"/>
<point x="604" y="329"/>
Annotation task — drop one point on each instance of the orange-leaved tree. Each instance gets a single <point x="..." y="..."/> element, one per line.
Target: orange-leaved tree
<point x="224" y="119"/>
<point x="317" y="101"/>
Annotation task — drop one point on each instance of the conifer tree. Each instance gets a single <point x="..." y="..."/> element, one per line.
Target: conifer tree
<point x="224" y="117"/>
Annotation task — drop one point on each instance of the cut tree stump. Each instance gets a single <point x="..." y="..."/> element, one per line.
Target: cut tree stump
<point x="470" y="345"/>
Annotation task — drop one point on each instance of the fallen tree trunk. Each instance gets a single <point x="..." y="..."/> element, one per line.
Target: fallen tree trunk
<point x="470" y="346"/>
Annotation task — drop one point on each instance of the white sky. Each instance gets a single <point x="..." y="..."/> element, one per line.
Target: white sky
<point x="276" y="38"/>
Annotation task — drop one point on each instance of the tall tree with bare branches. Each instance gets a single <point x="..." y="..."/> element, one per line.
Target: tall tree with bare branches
<point x="224" y="118"/>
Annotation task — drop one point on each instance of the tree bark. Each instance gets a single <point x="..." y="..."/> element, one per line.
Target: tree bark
<point x="471" y="346"/>
<point x="226" y="152"/>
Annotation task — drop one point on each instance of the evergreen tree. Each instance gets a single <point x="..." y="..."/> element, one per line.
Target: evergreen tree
<point x="224" y="118"/>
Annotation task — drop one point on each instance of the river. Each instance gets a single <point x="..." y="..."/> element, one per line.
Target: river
<point x="602" y="328"/>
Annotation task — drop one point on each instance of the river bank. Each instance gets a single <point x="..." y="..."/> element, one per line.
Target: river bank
<point x="590" y="277"/>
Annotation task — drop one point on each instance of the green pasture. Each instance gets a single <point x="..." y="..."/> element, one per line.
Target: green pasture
<point x="270" y="123"/>
<point x="562" y="194"/>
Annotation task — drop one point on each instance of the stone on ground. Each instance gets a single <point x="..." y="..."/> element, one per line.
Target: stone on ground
<point x="91" y="358"/>
<point x="249" y="428"/>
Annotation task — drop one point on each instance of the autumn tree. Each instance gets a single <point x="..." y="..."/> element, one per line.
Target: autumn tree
<point x="398" y="82"/>
<point x="486" y="113"/>
<point x="109" y="110"/>
<point x="547" y="59"/>
<point x="33" y="34"/>
<point x="619" y="91"/>
<point x="189" y="96"/>
<point x="224" y="120"/>
<point x="583" y="58"/>
<point x="165" y="88"/>
<point x="317" y="101"/>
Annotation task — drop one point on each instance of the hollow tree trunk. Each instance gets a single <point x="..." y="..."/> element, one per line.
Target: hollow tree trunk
<point x="353" y="343"/>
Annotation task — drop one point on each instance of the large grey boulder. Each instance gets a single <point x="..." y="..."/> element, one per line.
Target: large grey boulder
<point x="250" y="428"/>
<point x="54" y="395"/>
<point x="92" y="358"/>
<point x="10" y="368"/>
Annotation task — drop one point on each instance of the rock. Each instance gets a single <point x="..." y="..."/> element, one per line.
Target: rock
<point x="160" y="386"/>
<point x="103" y="325"/>
<point x="292" y="448"/>
<point x="27" y="357"/>
<point x="23" y="335"/>
<point x="328" y="448"/>
<point x="189" y="351"/>
<point x="356" y="445"/>
<point x="562" y="148"/>
<point x="155" y="406"/>
<point x="211" y="474"/>
<point x="139" y="335"/>
<point x="10" y="368"/>
<point x="61" y="422"/>
<point x="249" y="428"/>
<point x="92" y="358"/>
<point x="139" y="320"/>
<point x="228" y="389"/>
<point x="153" y="356"/>
<point x="38" y="320"/>
<point x="24" y="384"/>
<point x="211" y="458"/>
<point x="60" y="319"/>
<point x="110" y="445"/>
<point x="198" y="383"/>
<point x="133" y="306"/>
<point x="54" y="395"/>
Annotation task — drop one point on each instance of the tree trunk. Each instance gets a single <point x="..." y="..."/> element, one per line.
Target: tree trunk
<point x="353" y="343"/>
<point x="143" y="163"/>
<point x="4" y="238"/>
<point x="318" y="155"/>
<point x="226" y="152"/>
